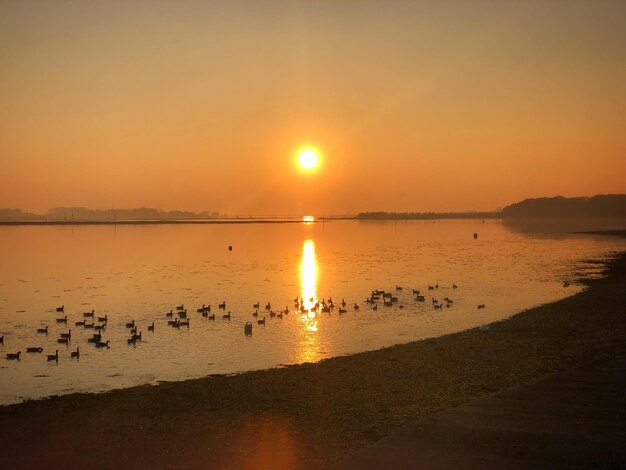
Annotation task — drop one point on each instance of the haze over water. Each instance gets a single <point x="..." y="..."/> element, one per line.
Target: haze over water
<point x="141" y="272"/>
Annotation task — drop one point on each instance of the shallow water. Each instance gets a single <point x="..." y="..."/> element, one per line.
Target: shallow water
<point x="141" y="272"/>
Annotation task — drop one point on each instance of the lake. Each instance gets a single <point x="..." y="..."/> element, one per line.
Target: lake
<point x="140" y="272"/>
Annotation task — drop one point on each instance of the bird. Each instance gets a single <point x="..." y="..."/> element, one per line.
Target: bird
<point x="95" y="338"/>
<point x="256" y="306"/>
<point x="342" y="310"/>
<point x="80" y="323"/>
<point x="104" y="319"/>
<point x="76" y="353"/>
<point x="481" y="306"/>
<point x="137" y="337"/>
<point x="343" y="302"/>
<point x="201" y="309"/>
<point x="227" y="316"/>
<point x="63" y="340"/>
<point x="89" y="314"/>
<point x="222" y="305"/>
<point x="89" y="325"/>
<point x="183" y="314"/>
<point x="211" y="317"/>
<point x="2" y="339"/>
<point x="67" y="335"/>
<point x="151" y="327"/>
<point x="43" y="330"/>
<point x="61" y="308"/>
<point x="100" y="344"/>
<point x="247" y="328"/>
<point x="180" y="307"/>
<point x="62" y="320"/>
<point x="356" y="306"/>
<point x="131" y="324"/>
<point x="13" y="357"/>
<point x="454" y="286"/>
<point x="170" y="313"/>
<point x="184" y="323"/>
<point x="398" y="288"/>
<point x="375" y="307"/>
<point x="268" y="306"/>
<point x="279" y="315"/>
<point x="261" y="322"/>
<point x="54" y="357"/>
<point x="256" y="313"/>
<point x="99" y="327"/>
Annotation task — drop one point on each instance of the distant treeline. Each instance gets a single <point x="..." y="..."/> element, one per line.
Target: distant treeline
<point x="601" y="206"/>
<point x="426" y="215"/>
<point x="83" y="213"/>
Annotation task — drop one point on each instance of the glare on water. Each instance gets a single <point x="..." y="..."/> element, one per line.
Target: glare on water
<point x="141" y="272"/>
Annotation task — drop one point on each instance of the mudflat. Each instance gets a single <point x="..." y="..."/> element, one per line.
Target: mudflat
<point x="314" y="415"/>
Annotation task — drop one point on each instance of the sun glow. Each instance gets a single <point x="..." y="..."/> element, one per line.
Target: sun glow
<point x="308" y="281"/>
<point x="308" y="159"/>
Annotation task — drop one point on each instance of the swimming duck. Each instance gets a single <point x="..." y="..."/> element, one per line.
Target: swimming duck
<point x="89" y="314"/>
<point x="14" y="357"/>
<point x="61" y="308"/>
<point x="43" y="330"/>
<point x="151" y="327"/>
<point x="75" y="354"/>
<point x="261" y="322"/>
<point x="54" y="357"/>
<point x="227" y="316"/>
<point x="62" y="320"/>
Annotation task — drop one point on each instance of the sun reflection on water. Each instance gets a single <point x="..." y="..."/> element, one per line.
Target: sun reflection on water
<point x="308" y="282"/>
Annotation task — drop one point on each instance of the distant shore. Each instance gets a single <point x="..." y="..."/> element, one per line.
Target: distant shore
<point x="314" y="415"/>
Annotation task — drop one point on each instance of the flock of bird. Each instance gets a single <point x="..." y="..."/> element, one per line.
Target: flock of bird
<point x="178" y="317"/>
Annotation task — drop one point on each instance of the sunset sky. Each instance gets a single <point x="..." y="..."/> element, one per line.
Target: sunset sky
<point x="411" y="106"/>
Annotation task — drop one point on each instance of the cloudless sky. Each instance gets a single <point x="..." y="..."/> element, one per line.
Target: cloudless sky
<point x="413" y="106"/>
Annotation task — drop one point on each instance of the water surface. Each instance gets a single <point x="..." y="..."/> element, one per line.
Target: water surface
<point x="141" y="272"/>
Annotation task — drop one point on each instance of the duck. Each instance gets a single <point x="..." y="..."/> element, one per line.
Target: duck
<point x="454" y="286"/>
<point x="89" y="314"/>
<point x="256" y="313"/>
<point x="261" y="322"/>
<point x="80" y="323"/>
<point x="342" y="310"/>
<point x="99" y="327"/>
<point x="63" y="340"/>
<point x="14" y="357"/>
<point x="104" y="319"/>
<point x="137" y="337"/>
<point x="182" y="314"/>
<point x="388" y="303"/>
<point x="54" y="357"/>
<point x="100" y="344"/>
<point x="375" y="307"/>
<point x="356" y="306"/>
<point x="131" y="324"/>
<point x="67" y="335"/>
<point x="211" y="317"/>
<point x="89" y="325"/>
<point x="272" y="314"/>
<point x="133" y="331"/>
<point x="61" y="308"/>
<point x="247" y="328"/>
<point x="173" y="323"/>
<point x="398" y="288"/>
<point x="481" y="306"/>
<point x="151" y="327"/>
<point x="227" y="316"/>
<point x="43" y="330"/>
<point x="279" y="315"/>
<point x="95" y="338"/>
<point x="62" y="320"/>
<point x="343" y="302"/>
<point x="437" y="306"/>
<point x="420" y="298"/>
<point x="180" y="307"/>
<point x="185" y="323"/>
<point x="222" y="305"/>
<point x="416" y="292"/>
<point x="201" y="309"/>
<point x="430" y="287"/>
<point x="268" y="306"/>
<point x="170" y="313"/>
<point x="76" y="353"/>
<point x="256" y="306"/>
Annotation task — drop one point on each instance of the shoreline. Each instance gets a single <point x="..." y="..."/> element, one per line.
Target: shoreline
<point x="284" y="416"/>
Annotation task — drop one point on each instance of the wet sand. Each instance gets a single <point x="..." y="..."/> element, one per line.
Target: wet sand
<point x="314" y="415"/>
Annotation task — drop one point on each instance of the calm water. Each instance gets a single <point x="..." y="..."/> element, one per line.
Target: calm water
<point x="141" y="272"/>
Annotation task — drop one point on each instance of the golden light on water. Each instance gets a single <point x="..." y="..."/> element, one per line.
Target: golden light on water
<point x="308" y="218"/>
<point x="308" y="294"/>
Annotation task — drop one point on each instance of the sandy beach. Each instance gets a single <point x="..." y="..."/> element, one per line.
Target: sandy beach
<point x="313" y="415"/>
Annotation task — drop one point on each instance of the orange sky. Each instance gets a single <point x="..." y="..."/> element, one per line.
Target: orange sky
<point x="415" y="106"/>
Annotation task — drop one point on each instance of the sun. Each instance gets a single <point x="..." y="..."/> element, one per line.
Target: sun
<point x="308" y="159"/>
